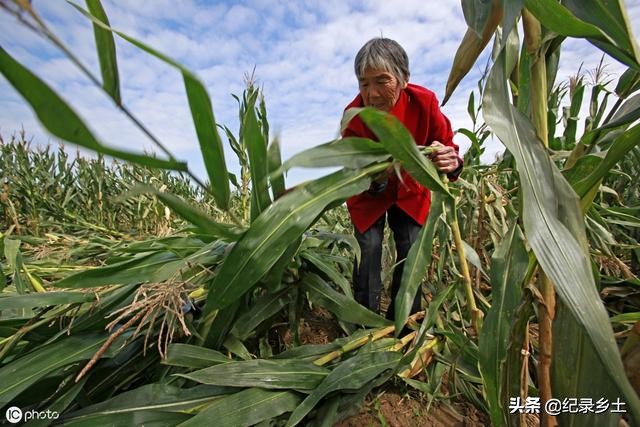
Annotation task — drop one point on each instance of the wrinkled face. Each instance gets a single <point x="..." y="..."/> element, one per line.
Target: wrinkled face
<point x="379" y="89"/>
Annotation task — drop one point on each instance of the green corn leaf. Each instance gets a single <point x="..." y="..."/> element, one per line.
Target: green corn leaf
<point x="246" y="408"/>
<point x="151" y="397"/>
<point x="349" y="152"/>
<point x="576" y="372"/>
<point x="137" y="418"/>
<point x="628" y="113"/>
<point x="512" y="367"/>
<point x="147" y="268"/>
<point x="508" y="269"/>
<point x="263" y="309"/>
<point x="43" y="299"/>
<point x="60" y="404"/>
<point x="24" y="372"/>
<point x="201" y="111"/>
<point x="473" y="44"/>
<point x="400" y="144"/>
<point x="628" y="83"/>
<point x="572" y="114"/>
<point x="273" y="278"/>
<point x="276" y="228"/>
<point x="618" y="150"/>
<point x="193" y="356"/>
<point x="415" y="266"/>
<point x="316" y="259"/>
<point x="343" y="307"/>
<point x="223" y="321"/>
<point x="476" y="14"/>
<point x="512" y="11"/>
<point x="278" y="186"/>
<point x="59" y="119"/>
<point x="106" y="52"/>
<point x="351" y="374"/>
<point x="558" y="250"/>
<point x="602" y="22"/>
<point x="611" y="18"/>
<point x="256" y="145"/>
<point x="276" y="374"/>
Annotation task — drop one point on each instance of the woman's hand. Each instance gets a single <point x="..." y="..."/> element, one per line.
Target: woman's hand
<point x="444" y="157"/>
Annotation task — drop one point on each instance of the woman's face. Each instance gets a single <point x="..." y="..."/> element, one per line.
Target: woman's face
<point x="379" y="89"/>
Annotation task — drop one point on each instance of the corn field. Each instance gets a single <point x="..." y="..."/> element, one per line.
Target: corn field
<point x="132" y="292"/>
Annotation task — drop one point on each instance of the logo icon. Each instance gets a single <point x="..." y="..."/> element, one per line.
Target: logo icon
<point x="14" y="415"/>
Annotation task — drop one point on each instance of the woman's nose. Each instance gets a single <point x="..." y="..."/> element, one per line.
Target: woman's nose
<point x="372" y="91"/>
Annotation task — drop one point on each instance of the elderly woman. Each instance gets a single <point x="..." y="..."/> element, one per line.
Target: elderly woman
<point x="382" y="69"/>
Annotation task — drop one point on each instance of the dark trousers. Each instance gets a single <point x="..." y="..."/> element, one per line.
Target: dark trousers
<point x="367" y="278"/>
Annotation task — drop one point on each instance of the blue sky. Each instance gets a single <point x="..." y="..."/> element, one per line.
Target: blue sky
<point x="302" y="51"/>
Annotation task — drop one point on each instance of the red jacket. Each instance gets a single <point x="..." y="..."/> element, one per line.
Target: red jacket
<point x="418" y="109"/>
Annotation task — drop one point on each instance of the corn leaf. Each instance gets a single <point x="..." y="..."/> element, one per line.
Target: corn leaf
<point x="151" y="418"/>
<point x="508" y="270"/>
<point x="471" y="47"/>
<point x="476" y="14"/>
<point x="245" y="408"/>
<point x="416" y="264"/>
<point x="400" y="144"/>
<point x="628" y="83"/>
<point x="263" y="309"/>
<point x="201" y="111"/>
<point x="42" y="299"/>
<point x="576" y="373"/>
<point x="316" y="259"/>
<point x="256" y="145"/>
<point x="223" y="321"/>
<point x="603" y="23"/>
<point x="618" y="150"/>
<point x="628" y="113"/>
<point x="276" y="228"/>
<point x="511" y="11"/>
<point x="351" y="374"/>
<point x="273" y="278"/>
<point x="558" y="250"/>
<point x="512" y="381"/>
<point x="611" y="18"/>
<point x="275" y="163"/>
<point x="149" y="267"/>
<point x="150" y="397"/>
<point x="59" y="119"/>
<point x="276" y="374"/>
<point x="349" y="152"/>
<point x="343" y="307"/>
<point x="106" y="52"/>
<point x="24" y="372"/>
<point x="60" y="404"/>
<point x="193" y="356"/>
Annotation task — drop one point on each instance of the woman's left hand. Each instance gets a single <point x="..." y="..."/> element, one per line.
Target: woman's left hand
<point x="445" y="158"/>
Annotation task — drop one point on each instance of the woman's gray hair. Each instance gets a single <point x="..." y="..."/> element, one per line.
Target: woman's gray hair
<point x="383" y="54"/>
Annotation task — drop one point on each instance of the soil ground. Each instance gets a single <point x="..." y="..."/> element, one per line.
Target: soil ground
<point x="387" y="406"/>
<point x="394" y="410"/>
